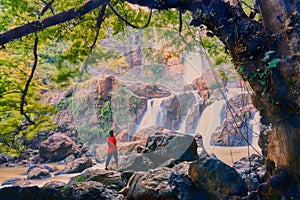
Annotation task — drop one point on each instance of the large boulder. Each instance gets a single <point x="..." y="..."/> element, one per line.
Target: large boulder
<point x="38" y="173"/>
<point x="57" y="147"/>
<point x="110" y="179"/>
<point x="136" y="162"/>
<point x="171" y="147"/>
<point x="217" y="178"/>
<point x="160" y="184"/>
<point x="77" y="166"/>
<point x="162" y="149"/>
<point x="90" y="190"/>
<point x="50" y="168"/>
<point x="16" y="182"/>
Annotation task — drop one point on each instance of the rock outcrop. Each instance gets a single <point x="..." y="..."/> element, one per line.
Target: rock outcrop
<point x="76" y="166"/>
<point x="162" y="149"/>
<point x="216" y="178"/>
<point x="57" y="147"/>
<point x="201" y="86"/>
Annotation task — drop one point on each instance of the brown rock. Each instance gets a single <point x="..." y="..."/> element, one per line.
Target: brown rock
<point x="105" y="86"/>
<point x="202" y="87"/>
<point x="57" y="147"/>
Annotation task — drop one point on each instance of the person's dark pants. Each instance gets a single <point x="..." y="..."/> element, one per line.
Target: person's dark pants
<point x="109" y="155"/>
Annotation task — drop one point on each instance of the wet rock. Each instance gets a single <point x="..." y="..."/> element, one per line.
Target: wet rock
<point x="50" y="168"/>
<point x="110" y="179"/>
<point x="22" y="183"/>
<point x="77" y="166"/>
<point x="38" y="173"/>
<point x="4" y="159"/>
<point x="55" y="185"/>
<point x="68" y="159"/>
<point x="57" y="147"/>
<point x="12" y="181"/>
<point x="217" y="178"/>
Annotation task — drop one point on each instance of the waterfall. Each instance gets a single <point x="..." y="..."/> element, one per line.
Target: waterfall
<point x="154" y="115"/>
<point x="183" y="123"/>
<point x="255" y="127"/>
<point x="193" y="108"/>
<point x="210" y="119"/>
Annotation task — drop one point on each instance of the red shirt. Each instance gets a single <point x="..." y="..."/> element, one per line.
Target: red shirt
<point x="112" y="144"/>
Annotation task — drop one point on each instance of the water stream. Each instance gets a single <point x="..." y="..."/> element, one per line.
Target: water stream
<point x="211" y="118"/>
<point x="20" y="172"/>
<point x="154" y="115"/>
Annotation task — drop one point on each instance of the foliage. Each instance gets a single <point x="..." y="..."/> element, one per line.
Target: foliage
<point x="105" y="116"/>
<point x="120" y="105"/>
<point x="262" y="76"/>
<point x="80" y="179"/>
<point x="14" y="128"/>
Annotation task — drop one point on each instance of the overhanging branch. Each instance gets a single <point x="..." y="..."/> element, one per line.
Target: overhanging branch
<point x="59" y="18"/>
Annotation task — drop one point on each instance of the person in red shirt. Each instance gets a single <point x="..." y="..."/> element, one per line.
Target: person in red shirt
<point x="112" y="149"/>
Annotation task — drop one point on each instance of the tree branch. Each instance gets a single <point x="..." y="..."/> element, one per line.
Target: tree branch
<point x="59" y="18"/>
<point x="100" y="19"/>
<point x="23" y="101"/>
<point x="48" y="6"/>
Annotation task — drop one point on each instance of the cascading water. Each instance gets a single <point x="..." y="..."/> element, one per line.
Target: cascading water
<point x="154" y="115"/>
<point x="255" y="127"/>
<point x="182" y="127"/>
<point x="192" y="115"/>
<point x="210" y="119"/>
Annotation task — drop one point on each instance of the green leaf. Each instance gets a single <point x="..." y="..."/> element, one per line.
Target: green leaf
<point x="263" y="82"/>
<point x="273" y="63"/>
